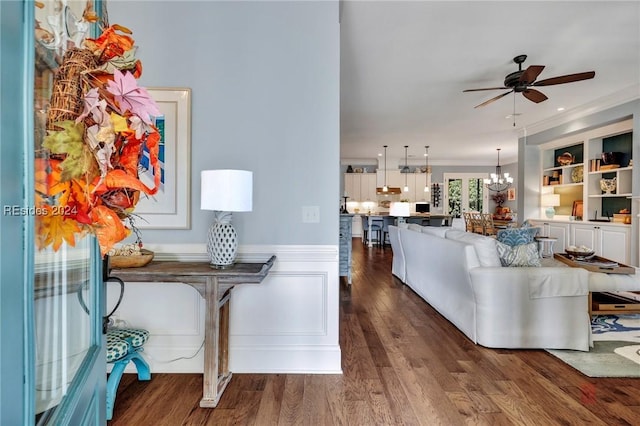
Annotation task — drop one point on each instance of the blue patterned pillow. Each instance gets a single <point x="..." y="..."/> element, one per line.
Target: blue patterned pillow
<point x="517" y="236"/>
<point x="520" y="255"/>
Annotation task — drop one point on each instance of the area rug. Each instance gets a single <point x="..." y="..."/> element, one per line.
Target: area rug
<point x="616" y="351"/>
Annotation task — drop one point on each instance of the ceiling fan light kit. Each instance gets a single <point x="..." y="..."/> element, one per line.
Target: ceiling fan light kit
<point x="523" y="81"/>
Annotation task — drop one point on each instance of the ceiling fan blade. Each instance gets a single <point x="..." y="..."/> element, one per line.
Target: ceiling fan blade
<point x="486" y="88"/>
<point x="531" y="73"/>
<point x="534" y="96"/>
<point x="493" y="99"/>
<point x="569" y="78"/>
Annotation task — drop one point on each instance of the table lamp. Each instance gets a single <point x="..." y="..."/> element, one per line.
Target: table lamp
<point x="400" y="210"/>
<point x="550" y="201"/>
<point x="224" y="191"/>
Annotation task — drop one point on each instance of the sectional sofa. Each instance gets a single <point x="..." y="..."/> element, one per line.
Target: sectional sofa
<point x="460" y="274"/>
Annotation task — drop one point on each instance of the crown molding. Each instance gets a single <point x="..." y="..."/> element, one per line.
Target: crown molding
<point x="620" y="97"/>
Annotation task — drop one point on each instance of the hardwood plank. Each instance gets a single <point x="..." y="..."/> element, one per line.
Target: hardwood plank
<point x="403" y="364"/>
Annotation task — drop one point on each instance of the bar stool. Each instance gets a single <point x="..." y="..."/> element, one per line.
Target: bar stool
<point x="376" y="229"/>
<point x="377" y="224"/>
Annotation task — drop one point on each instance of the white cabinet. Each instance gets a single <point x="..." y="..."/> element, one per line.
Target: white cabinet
<point x="416" y="183"/>
<point x="352" y="186"/>
<point x="356" y="227"/>
<point x="360" y="186"/>
<point x="610" y="241"/>
<point x="368" y="187"/>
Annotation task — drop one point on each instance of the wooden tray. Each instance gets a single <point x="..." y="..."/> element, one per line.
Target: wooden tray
<point x="619" y="269"/>
<point x="611" y="303"/>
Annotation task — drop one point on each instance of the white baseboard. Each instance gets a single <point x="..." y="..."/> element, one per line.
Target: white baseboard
<point x="286" y="359"/>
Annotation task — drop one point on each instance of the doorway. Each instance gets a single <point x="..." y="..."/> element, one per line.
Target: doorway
<point x="465" y="192"/>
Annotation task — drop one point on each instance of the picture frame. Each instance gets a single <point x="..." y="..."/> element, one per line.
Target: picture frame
<point x="170" y="207"/>
<point x="511" y="194"/>
<point x="577" y="210"/>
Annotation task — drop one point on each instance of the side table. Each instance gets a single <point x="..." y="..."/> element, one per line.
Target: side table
<point x="545" y="245"/>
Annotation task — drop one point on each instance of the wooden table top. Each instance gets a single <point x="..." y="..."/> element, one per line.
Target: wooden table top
<point x="190" y="272"/>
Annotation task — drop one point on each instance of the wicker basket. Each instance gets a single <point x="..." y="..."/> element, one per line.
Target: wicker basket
<point x="119" y="262"/>
<point x="67" y="100"/>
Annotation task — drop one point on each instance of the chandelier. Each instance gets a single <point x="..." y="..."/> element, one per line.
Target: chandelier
<point x="499" y="181"/>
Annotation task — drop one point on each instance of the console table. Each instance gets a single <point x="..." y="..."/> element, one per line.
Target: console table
<point x="214" y="285"/>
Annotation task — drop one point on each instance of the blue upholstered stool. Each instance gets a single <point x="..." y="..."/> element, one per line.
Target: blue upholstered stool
<point x="124" y="345"/>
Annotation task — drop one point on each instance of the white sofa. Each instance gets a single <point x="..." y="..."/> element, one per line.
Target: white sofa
<point x="460" y="275"/>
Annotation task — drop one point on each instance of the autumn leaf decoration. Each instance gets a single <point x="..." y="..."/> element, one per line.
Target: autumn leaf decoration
<point x="88" y="180"/>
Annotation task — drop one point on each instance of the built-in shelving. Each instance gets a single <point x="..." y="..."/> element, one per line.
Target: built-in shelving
<point x="579" y="181"/>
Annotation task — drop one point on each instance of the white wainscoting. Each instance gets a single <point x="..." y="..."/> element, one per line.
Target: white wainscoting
<point x="287" y="324"/>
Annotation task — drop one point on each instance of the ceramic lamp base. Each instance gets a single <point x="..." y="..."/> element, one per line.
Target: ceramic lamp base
<point x="222" y="242"/>
<point x="550" y="212"/>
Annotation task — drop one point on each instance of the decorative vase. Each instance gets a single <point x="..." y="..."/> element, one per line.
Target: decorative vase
<point x="608" y="185"/>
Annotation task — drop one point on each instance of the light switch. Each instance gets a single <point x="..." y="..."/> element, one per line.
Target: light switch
<point x="310" y="214"/>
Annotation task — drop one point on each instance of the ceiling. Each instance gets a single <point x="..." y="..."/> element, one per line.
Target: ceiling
<point x="404" y="66"/>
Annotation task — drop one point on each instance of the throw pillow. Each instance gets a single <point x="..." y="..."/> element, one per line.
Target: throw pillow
<point x="517" y="236"/>
<point x="485" y="246"/>
<point x="520" y="255"/>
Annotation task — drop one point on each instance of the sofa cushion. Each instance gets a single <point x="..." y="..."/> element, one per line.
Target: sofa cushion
<point x="415" y="227"/>
<point x="485" y="246"/>
<point x="517" y="236"/>
<point x="438" y="231"/>
<point x="520" y="255"/>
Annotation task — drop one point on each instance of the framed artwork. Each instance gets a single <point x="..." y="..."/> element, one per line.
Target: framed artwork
<point x="170" y="207"/>
<point x="577" y="209"/>
<point x="511" y="194"/>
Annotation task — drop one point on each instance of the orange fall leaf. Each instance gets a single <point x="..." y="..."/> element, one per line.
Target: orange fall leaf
<point x="108" y="228"/>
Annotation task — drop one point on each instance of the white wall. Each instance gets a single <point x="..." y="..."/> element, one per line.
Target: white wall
<point x="265" y="97"/>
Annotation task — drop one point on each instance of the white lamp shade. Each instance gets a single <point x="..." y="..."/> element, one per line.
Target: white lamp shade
<point x="226" y="190"/>
<point x="550" y="200"/>
<point x="400" y="209"/>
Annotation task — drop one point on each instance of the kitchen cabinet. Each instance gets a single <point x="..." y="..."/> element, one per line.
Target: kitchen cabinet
<point x="416" y="182"/>
<point x="368" y="187"/>
<point x="352" y="186"/>
<point x="360" y="186"/>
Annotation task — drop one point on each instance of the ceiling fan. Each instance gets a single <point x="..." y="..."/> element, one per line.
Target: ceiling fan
<point x="522" y="81"/>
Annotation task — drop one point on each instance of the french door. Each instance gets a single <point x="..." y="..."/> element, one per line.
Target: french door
<point x="464" y="192"/>
<point x="54" y="292"/>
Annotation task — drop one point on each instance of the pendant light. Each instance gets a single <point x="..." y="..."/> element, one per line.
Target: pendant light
<point x="405" y="169"/>
<point x="385" y="188"/>
<point x="426" y="168"/>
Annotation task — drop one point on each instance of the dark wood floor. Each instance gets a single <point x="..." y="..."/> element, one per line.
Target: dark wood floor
<point x="403" y="364"/>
